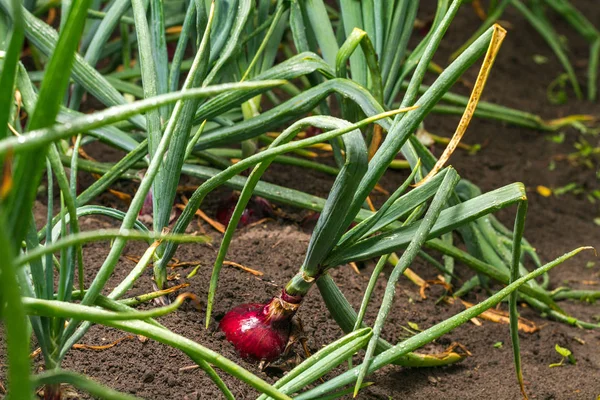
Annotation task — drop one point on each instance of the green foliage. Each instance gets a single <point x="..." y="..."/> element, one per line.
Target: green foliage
<point x="188" y="115"/>
<point x="566" y="355"/>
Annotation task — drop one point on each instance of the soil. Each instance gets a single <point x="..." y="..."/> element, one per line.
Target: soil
<point x="554" y="226"/>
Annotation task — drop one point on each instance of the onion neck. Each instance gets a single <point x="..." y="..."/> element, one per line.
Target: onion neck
<point x="52" y="391"/>
<point x="300" y="284"/>
<point x="282" y="307"/>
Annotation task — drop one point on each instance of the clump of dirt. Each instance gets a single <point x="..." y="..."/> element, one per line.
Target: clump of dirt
<point x="554" y="226"/>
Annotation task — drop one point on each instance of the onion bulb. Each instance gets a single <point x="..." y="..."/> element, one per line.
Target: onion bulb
<point x="261" y="331"/>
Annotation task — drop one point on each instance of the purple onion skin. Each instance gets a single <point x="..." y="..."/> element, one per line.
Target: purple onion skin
<point x="252" y="335"/>
<point x="257" y="209"/>
<point x="260" y="331"/>
<point x="313" y="131"/>
<point x="147" y="207"/>
<point x="52" y="391"/>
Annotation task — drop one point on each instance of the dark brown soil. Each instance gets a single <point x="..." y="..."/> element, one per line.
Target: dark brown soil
<point x="555" y="225"/>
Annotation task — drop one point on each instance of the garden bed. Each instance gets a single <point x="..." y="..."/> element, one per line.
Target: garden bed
<point x="555" y="225"/>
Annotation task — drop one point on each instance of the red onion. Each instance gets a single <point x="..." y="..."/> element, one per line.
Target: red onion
<point x="313" y="131"/>
<point x="52" y="391"/>
<point x="310" y="220"/>
<point x="261" y="331"/>
<point x="146" y="214"/>
<point x="257" y="209"/>
<point x="147" y="207"/>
